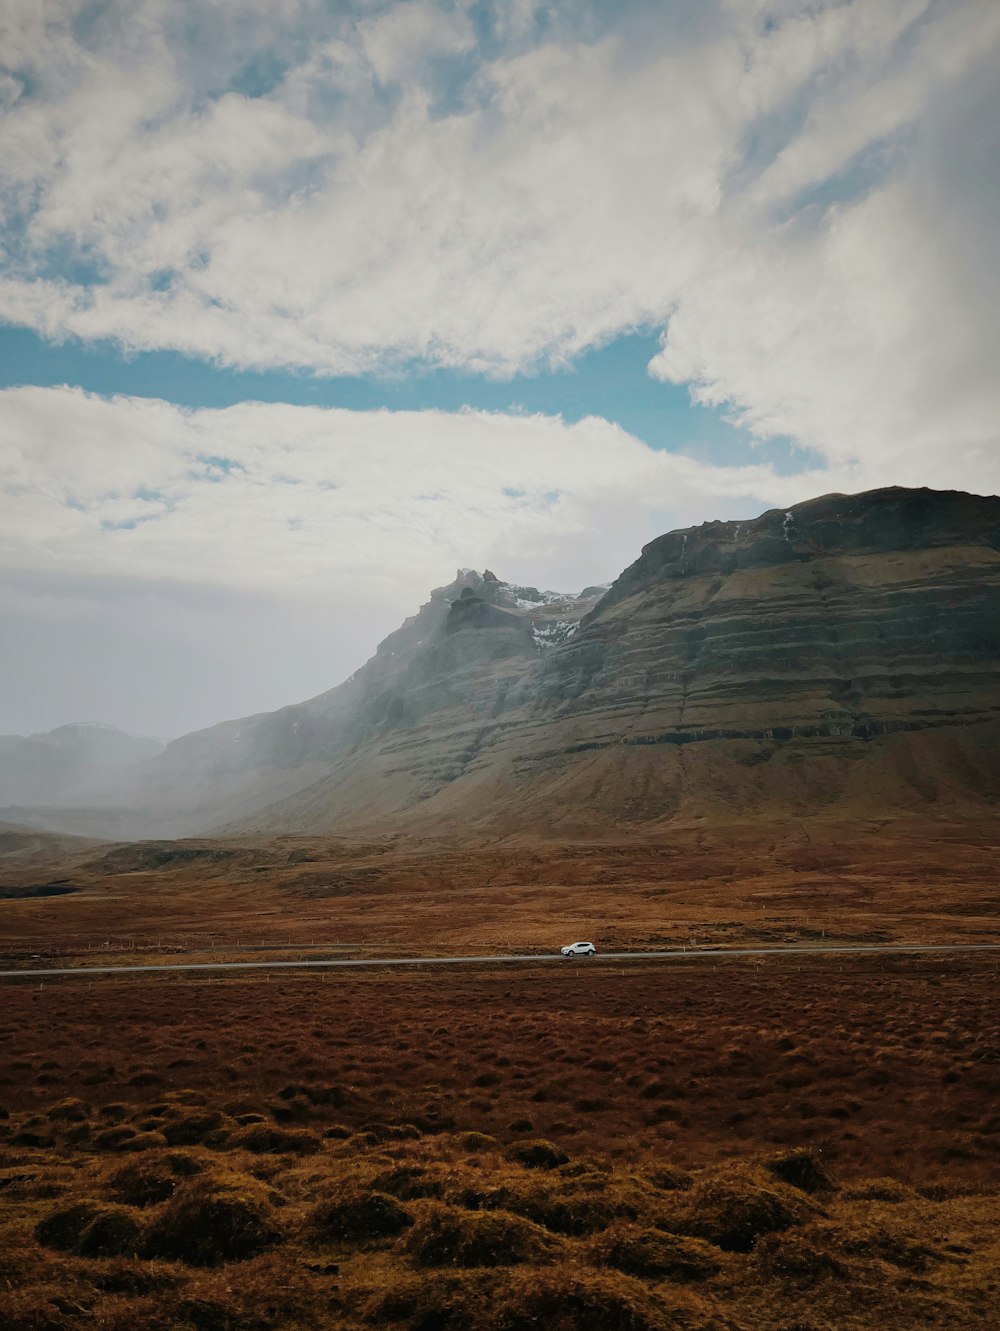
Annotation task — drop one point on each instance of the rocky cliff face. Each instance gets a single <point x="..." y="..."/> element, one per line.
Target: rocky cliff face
<point x="839" y="658"/>
<point x="843" y="656"/>
<point x="849" y="616"/>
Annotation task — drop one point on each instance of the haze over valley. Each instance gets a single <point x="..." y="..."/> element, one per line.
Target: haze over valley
<point x="838" y="657"/>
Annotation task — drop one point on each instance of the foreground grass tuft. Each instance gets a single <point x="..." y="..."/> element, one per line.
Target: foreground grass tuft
<point x="448" y="1232"/>
<point x="451" y="1236"/>
<point x="740" y="1205"/>
<point x="650" y="1253"/>
<point x="359" y="1216"/>
<point x="210" y="1220"/>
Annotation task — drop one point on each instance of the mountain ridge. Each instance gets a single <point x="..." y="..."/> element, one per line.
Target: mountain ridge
<point x="841" y="654"/>
<point x="63" y="763"/>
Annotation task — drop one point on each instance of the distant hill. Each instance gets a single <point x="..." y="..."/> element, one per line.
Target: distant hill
<point x="839" y="658"/>
<point x="68" y="763"/>
<point x="26" y="855"/>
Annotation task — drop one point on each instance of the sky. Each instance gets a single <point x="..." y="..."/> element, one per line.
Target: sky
<point x="304" y="305"/>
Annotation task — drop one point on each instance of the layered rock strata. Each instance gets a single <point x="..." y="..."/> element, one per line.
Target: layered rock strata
<point x="839" y="658"/>
<point x="843" y="655"/>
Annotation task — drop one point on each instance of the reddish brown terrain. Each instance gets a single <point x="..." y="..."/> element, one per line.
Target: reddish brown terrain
<point x="774" y="733"/>
<point x="908" y="880"/>
<point x="797" y="1144"/>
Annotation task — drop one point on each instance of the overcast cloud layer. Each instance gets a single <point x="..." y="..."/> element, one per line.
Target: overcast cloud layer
<point x="801" y="197"/>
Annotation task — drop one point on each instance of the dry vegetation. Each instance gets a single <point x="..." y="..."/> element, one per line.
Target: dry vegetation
<point x="394" y="1227"/>
<point x="797" y="882"/>
<point x="790" y="1145"/>
<point x="725" y="1146"/>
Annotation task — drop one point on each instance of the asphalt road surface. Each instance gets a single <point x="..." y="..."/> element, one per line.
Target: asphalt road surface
<point x="677" y="954"/>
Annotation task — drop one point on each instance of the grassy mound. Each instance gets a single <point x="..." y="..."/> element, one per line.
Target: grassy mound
<point x="413" y="1179"/>
<point x="152" y="1180"/>
<point x="142" y="1141"/>
<point x="70" y="1110"/>
<point x="450" y="1236"/>
<point x="267" y="1139"/>
<point x="359" y="1216"/>
<point x="874" y="1241"/>
<point x="575" y="1299"/>
<point x="650" y="1254"/>
<point x="62" y="1229"/>
<point x="478" y="1141"/>
<point x="537" y="1154"/>
<point x="210" y="1220"/>
<point x="113" y="1232"/>
<point x="802" y="1169"/>
<point x="801" y="1259"/>
<point x="91" y="1229"/>
<point x="206" y="1126"/>
<point x="737" y="1207"/>
<point x="880" y="1190"/>
<point x="570" y="1207"/>
<point x="115" y="1138"/>
<point x="430" y="1301"/>
<point x="669" y="1178"/>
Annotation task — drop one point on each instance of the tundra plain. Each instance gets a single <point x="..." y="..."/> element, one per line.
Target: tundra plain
<point x="802" y="1143"/>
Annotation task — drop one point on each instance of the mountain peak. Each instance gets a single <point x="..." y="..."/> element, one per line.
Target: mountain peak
<point x="842" y="654"/>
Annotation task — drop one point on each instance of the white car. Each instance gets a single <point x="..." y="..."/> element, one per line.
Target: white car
<point x="578" y="950"/>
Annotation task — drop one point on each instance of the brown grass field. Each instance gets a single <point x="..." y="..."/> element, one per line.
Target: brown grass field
<point x="905" y="881"/>
<point x="791" y="1145"/>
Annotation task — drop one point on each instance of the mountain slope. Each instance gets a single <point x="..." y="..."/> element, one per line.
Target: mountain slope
<point x="843" y="656"/>
<point x="475" y="634"/>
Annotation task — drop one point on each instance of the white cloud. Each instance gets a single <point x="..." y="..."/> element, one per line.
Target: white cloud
<point x="163" y="569"/>
<point x="302" y="501"/>
<point x="751" y="180"/>
<point x="868" y="333"/>
<point x="399" y="41"/>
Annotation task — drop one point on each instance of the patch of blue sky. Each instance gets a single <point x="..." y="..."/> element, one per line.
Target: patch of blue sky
<point x="163" y="279"/>
<point x="860" y="177"/>
<point x="454" y="79"/>
<point x="764" y="139"/>
<point x="610" y="382"/>
<point x="66" y="262"/>
<point x="128" y="524"/>
<point x="87" y="24"/>
<point x="24" y="85"/>
<point x="299" y="179"/>
<point x="224" y="51"/>
<point x="260" y="75"/>
<point x="215" y="468"/>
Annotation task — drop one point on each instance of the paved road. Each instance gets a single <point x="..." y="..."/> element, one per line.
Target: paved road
<point x="678" y="954"/>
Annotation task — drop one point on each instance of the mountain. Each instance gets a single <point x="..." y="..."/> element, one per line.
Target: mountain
<point x="68" y="763"/>
<point x="840" y="658"/>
